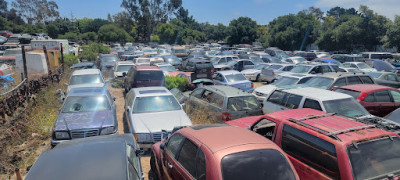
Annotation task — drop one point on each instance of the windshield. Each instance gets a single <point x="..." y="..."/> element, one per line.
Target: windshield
<point x="260" y="66"/>
<point x="86" y="79"/>
<point x="179" y="50"/>
<point x="354" y="94"/>
<point x="155" y="104"/>
<point x="257" y="60"/>
<point x="363" y="66"/>
<point x="301" y="69"/>
<point x="214" y="59"/>
<point x="173" y="59"/>
<point x="299" y="59"/>
<point x="167" y="68"/>
<point x="123" y="68"/>
<point x="235" y="77"/>
<point x="319" y="82"/>
<point x="284" y="81"/>
<point x="109" y="58"/>
<point x="256" y="164"/>
<point x="375" y="159"/>
<point x="85" y="104"/>
<point x="345" y="107"/>
<point x="275" y="67"/>
<point x="149" y="75"/>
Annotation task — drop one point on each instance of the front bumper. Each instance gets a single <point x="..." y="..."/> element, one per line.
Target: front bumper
<point x="54" y="142"/>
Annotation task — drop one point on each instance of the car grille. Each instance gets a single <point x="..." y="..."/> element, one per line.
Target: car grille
<point x="84" y="133"/>
<point x="260" y="94"/>
<point x="157" y="137"/>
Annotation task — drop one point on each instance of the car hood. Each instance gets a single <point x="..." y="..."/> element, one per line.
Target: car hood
<point x="250" y="71"/>
<point x="219" y="66"/>
<point x="85" y="85"/>
<point x="108" y="64"/>
<point x="84" y="120"/>
<point x="158" y="121"/>
<point x="265" y="90"/>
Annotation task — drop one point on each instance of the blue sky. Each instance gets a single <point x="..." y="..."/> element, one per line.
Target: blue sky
<point x="223" y="11"/>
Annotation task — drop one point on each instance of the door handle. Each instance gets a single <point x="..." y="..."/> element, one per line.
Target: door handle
<point x="169" y="165"/>
<point x="282" y="108"/>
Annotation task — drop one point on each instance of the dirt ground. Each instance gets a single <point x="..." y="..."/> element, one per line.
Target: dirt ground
<point x="119" y="102"/>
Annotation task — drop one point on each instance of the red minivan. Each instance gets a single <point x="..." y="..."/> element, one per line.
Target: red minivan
<point x="219" y="151"/>
<point x="143" y="76"/>
<point x="378" y="100"/>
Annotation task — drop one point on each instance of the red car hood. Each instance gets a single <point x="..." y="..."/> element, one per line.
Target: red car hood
<point x="244" y="122"/>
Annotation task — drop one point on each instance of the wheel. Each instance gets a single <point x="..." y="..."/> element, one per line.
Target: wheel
<point x="258" y="78"/>
<point x="153" y="169"/>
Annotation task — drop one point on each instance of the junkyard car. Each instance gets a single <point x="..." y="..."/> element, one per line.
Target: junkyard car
<point x="87" y="111"/>
<point x="86" y="78"/>
<point x="103" y="157"/>
<point x="233" y="78"/>
<point x="224" y="102"/>
<point x="219" y="152"/>
<point x="121" y="68"/>
<point x="151" y="110"/>
<point x="326" y="146"/>
<point x="386" y="78"/>
<point x="107" y="61"/>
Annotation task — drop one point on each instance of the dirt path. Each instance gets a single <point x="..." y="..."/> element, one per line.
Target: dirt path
<point x="119" y="102"/>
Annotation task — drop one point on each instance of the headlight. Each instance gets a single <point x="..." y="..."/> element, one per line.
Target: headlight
<point x="107" y="130"/>
<point x="143" y="137"/>
<point x="61" y="135"/>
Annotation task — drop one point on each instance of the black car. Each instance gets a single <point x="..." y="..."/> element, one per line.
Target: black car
<point x="307" y="55"/>
<point x="101" y="157"/>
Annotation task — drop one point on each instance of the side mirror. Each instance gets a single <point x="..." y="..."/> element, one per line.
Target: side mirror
<point x="66" y="84"/>
<point x="114" y="98"/>
<point x="124" y="74"/>
<point x="139" y="152"/>
<point x="313" y="72"/>
<point x="162" y="145"/>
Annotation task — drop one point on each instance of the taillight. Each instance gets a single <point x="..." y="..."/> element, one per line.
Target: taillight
<point x="305" y="58"/>
<point x="262" y="111"/>
<point x="226" y="116"/>
<point x="252" y="85"/>
<point x="212" y="71"/>
<point x="362" y="96"/>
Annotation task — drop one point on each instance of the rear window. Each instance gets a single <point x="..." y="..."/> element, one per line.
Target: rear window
<point x="256" y="164"/>
<point x="149" y="75"/>
<point x="369" y="162"/>
<point x="244" y="103"/>
<point x="367" y="80"/>
<point x="355" y="94"/>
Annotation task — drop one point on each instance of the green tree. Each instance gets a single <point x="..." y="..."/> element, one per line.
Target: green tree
<point x="124" y="21"/>
<point x="89" y="36"/>
<point x="148" y="14"/>
<point x="70" y="36"/>
<point x="112" y="33"/>
<point x="94" y="26"/>
<point x="393" y="34"/>
<point x="35" y="11"/>
<point x="84" y="24"/>
<point x="242" y="30"/>
<point x="52" y="30"/>
<point x="167" y="33"/>
<point x="155" y="38"/>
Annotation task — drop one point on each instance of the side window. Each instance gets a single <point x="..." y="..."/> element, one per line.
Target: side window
<point x="340" y="82"/>
<point x="187" y="156"/>
<point x="265" y="128"/>
<point x="391" y="77"/>
<point x="311" y="150"/>
<point x="313" y="104"/>
<point x="217" y="100"/>
<point x="326" y="69"/>
<point x="353" y="80"/>
<point x="228" y="59"/>
<point x="200" y="165"/>
<point x="366" y="80"/>
<point x="222" y="61"/>
<point x="206" y="96"/>
<point x="276" y="97"/>
<point x="173" y="145"/>
<point x="316" y="69"/>
<point x="382" y="96"/>
<point x="248" y="63"/>
<point x="293" y="101"/>
<point x="129" y="98"/>
<point x="197" y="93"/>
<point x="369" y="98"/>
<point x="353" y="66"/>
<point x="395" y="95"/>
<point x="304" y="80"/>
<point x="132" y="158"/>
<point x="288" y="68"/>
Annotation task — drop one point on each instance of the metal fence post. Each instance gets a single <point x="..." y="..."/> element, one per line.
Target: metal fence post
<point x="62" y="57"/>
<point x="25" y="73"/>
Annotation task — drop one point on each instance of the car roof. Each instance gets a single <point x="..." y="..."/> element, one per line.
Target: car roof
<point x="151" y="91"/>
<point x="342" y="74"/>
<point x="296" y="75"/>
<point x="214" y="140"/>
<point x="228" y="91"/>
<point x="85" y="91"/>
<point x="101" y="157"/>
<point x="147" y="68"/>
<point x="227" y="72"/>
<point x="366" y="87"/>
<point x="125" y="63"/>
<point x="330" y="125"/>
<point x="319" y="94"/>
<point x="85" y="72"/>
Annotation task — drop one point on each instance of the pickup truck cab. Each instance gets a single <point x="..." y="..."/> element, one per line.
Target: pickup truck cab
<point x="328" y="146"/>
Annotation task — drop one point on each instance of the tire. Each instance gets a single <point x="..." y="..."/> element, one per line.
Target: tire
<point x="153" y="168"/>
<point x="258" y="78"/>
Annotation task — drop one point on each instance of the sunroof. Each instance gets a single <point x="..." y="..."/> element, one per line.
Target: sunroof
<point x="152" y="91"/>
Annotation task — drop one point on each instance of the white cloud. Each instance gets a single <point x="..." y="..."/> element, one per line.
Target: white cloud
<point x="388" y="8"/>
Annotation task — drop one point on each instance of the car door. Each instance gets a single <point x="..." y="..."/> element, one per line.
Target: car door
<point x="266" y="127"/>
<point x="195" y="98"/>
<point x="239" y="66"/>
<point x="248" y="65"/>
<point x="219" y="79"/>
<point x="275" y="102"/>
<point x="170" y="167"/>
<point x="311" y="103"/>
<point x="384" y="104"/>
<point x="128" y="110"/>
<point x="190" y="162"/>
<point x="391" y="80"/>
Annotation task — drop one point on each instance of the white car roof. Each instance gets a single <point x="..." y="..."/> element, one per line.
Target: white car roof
<point x="125" y="63"/>
<point x="227" y="72"/>
<point x="86" y="72"/>
<point x="318" y="94"/>
<point x="151" y="91"/>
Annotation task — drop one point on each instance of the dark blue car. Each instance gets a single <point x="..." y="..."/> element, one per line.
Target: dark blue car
<point x="86" y="112"/>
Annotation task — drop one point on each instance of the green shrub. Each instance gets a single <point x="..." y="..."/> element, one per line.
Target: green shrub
<point x="176" y="82"/>
<point x="91" y="51"/>
<point x="70" y="59"/>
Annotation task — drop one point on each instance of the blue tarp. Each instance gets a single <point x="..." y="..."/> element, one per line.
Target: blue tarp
<point x="7" y="79"/>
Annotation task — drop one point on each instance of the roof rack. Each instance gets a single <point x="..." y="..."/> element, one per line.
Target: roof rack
<point x="327" y="133"/>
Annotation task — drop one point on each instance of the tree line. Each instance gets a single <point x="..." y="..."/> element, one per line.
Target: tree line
<point x="166" y="21"/>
